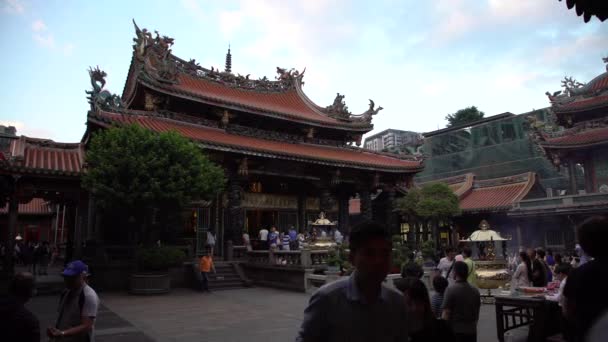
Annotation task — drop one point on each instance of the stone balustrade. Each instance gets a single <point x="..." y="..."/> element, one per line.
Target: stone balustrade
<point x="313" y="281"/>
<point x="305" y="258"/>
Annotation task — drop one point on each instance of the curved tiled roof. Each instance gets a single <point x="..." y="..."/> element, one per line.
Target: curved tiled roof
<point x="219" y="139"/>
<point x="290" y="103"/>
<point x="583" y="104"/>
<point x="45" y="156"/>
<point x="578" y="139"/>
<point x="498" y="194"/>
<point x="37" y="206"/>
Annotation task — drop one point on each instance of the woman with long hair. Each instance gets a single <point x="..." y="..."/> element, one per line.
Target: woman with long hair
<point x="523" y="272"/>
<point x="424" y="326"/>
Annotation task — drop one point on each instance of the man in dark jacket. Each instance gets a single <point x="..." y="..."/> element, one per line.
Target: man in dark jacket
<point x="539" y="274"/>
<point x="16" y="322"/>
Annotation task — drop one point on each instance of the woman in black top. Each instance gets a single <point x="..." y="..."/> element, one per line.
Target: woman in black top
<point x="423" y="324"/>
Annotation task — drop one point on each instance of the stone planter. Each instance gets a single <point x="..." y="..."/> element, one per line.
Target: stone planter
<point x="150" y="284"/>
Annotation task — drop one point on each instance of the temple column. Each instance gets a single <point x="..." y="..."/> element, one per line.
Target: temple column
<point x="392" y="219"/>
<point x="13" y="212"/>
<point x="234" y="215"/>
<point x="572" y="175"/>
<point x="589" y="175"/>
<point x="366" y="203"/>
<point x="325" y="201"/>
<point x="343" y="205"/>
<point x="302" y="213"/>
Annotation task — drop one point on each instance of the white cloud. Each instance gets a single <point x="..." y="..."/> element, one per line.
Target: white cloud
<point x="516" y="9"/>
<point x="13" y="6"/>
<point x="41" y="35"/>
<point x="194" y="9"/>
<point x="45" y="40"/>
<point x="68" y="49"/>
<point x="39" y="26"/>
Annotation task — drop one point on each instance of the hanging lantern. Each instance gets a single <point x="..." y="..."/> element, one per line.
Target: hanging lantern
<point x="335" y="179"/>
<point x="376" y="181"/>
<point x="243" y="168"/>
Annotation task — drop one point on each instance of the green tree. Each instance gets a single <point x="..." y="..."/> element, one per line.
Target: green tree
<point x="464" y="116"/>
<point x="138" y="175"/>
<point x="432" y="203"/>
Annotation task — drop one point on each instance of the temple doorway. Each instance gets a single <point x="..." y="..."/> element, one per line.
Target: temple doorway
<point x="256" y="219"/>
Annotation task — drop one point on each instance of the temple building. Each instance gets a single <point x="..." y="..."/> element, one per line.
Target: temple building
<point x="578" y="144"/>
<point x="285" y="157"/>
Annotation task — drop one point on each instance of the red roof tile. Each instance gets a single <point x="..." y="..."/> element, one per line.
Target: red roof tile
<point x="585" y="137"/>
<point x="46" y="156"/>
<point x="37" y="206"/>
<point x="215" y="138"/>
<point x="291" y="103"/>
<point x="498" y="194"/>
<point x="492" y="198"/>
<point x="584" y="104"/>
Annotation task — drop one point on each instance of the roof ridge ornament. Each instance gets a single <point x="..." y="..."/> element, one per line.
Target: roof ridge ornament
<point x="155" y="54"/>
<point x="100" y="96"/>
<point x="338" y="108"/>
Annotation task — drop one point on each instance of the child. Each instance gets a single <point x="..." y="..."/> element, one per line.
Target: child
<point x="561" y="274"/>
<point x="206" y="266"/>
<point x="439" y="284"/>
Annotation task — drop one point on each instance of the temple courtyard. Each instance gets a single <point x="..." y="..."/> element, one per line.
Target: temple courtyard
<point x="253" y="314"/>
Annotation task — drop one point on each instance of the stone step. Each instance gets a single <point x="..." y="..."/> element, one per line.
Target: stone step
<point x="221" y="276"/>
<point x="226" y="284"/>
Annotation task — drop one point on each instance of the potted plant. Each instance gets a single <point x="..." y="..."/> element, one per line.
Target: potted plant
<point x="153" y="263"/>
<point x="428" y="252"/>
<point x="334" y="262"/>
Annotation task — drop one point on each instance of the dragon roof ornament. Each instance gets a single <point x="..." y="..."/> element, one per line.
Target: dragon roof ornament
<point x="574" y="89"/>
<point x="339" y="110"/>
<point x="99" y="96"/>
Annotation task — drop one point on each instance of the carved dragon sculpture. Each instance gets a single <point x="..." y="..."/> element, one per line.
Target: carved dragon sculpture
<point x="100" y="96"/>
<point x="367" y="115"/>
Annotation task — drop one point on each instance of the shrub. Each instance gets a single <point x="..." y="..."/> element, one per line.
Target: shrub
<point x="159" y="258"/>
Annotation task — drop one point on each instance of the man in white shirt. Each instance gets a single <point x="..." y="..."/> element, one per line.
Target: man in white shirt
<point x="446" y="263"/>
<point x="264" y="234"/>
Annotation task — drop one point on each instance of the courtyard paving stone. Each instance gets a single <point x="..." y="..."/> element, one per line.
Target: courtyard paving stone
<point x="251" y="315"/>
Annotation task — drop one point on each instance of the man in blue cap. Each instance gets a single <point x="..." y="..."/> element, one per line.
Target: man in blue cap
<point x="77" y="306"/>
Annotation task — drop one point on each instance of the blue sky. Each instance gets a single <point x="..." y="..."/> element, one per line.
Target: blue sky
<point x="419" y="60"/>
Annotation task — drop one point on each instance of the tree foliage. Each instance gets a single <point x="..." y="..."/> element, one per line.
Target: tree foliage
<point x="433" y="201"/>
<point x="464" y="116"/>
<point x="135" y="171"/>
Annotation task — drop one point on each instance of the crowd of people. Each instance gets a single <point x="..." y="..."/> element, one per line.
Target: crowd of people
<point x="290" y="239"/>
<point x="451" y="311"/>
<point x="35" y="256"/>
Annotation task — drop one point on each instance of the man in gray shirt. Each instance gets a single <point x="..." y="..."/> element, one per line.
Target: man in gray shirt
<point x="359" y="308"/>
<point x="78" y="307"/>
<point x="461" y="304"/>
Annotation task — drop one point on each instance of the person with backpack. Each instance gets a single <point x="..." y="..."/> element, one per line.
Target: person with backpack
<point x="78" y="307"/>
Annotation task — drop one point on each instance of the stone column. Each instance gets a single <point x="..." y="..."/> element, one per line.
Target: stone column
<point x="13" y="212"/>
<point x="343" y="200"/>
<point x="302" y="213"/>
<point x="392" y="219"/>
<point x="234" y="214"/>
<point x="572" y="175"/>
<point x="589" y="175"/>
<point x="325" y="201"/>
<point x="366" y="204"/>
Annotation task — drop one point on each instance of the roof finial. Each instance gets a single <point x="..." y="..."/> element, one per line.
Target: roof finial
<point x="228" y="60"/>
